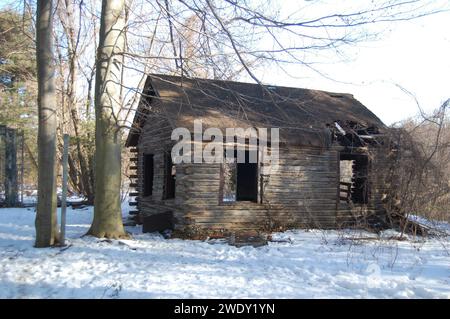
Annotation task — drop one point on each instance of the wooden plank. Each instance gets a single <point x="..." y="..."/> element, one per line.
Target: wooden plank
<point x="305" y="189"/>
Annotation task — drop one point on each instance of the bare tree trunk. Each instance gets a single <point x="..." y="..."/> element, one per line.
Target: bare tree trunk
<point x="11" y="178"/>
<point x="68" y="60"/>
<point x="107" y="211"/>
<point x="46" y="218"/>
<point x="71" y="95"/>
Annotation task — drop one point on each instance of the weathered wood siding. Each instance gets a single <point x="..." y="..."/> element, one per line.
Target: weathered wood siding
<point x="302" y="192"/>
<point x="155" y="139"/>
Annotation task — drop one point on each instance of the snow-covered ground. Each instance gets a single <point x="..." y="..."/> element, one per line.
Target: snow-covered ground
<point x="301" y="264"/>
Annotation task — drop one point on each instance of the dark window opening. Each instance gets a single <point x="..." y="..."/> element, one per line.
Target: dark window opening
<point x="240" y="180"/>
<point x="148" y="174"/>
<point x="169" y="177"/>
<point x="353" y="183"/>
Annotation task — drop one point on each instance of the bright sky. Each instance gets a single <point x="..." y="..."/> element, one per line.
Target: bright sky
<point x="414" y="55"/>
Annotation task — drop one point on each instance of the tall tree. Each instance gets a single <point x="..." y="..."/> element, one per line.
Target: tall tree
<point x="107" y="211"/>
<point x="72" y="40"/>
<point x="46" y="227"/>
<point x="18" y="91"/>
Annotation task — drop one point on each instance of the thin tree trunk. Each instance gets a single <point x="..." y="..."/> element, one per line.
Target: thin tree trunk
<point x="46" y="219"/>
<point x="80" y="173"/>
<point x="31" y="156"/>
<point x="11" y="177"/>
<point x="107" y="211"/>
<point x="71" y="95"/>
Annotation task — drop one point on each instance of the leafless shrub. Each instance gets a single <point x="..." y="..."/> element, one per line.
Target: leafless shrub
<point x="417" y="171"/>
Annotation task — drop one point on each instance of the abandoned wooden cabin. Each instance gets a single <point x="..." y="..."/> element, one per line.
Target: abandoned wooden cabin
<point x="327" y="175"/>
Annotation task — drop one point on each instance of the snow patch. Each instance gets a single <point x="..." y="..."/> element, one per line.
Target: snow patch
<point x="296" y="264"/>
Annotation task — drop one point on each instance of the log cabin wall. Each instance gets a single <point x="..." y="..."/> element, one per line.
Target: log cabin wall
<point x="155" y="139"/>
<point x="302" y="192"/>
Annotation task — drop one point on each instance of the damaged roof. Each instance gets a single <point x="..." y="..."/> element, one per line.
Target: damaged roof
<point x="301" y="114"/>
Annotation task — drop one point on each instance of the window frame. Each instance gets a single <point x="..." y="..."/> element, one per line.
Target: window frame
<point x="258" y="191"/>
